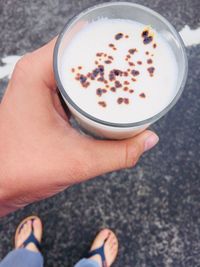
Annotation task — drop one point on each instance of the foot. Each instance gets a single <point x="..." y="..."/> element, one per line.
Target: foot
<point x="110" y="248"/>
<point x="23" y="233"/>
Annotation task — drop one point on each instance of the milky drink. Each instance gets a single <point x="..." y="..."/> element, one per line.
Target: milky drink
<point x="119" y="71"/>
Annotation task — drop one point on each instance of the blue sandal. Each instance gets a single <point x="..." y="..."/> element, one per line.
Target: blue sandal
<point x="101" y="251"/>
<point x="31" y="238"/>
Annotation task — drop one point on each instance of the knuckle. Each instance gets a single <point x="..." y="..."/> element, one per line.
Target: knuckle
<point x="132" y="153"/>
<point x="21" y="66"/>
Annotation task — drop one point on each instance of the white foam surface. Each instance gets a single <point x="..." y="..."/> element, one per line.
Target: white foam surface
<point x="95" y="37"/>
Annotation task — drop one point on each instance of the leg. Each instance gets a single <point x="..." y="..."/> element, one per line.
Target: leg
<point x="86" y="263"/>
<point x="27" y="242"/>
<point x="103" y="251"/>
<point x="22" y="258"/>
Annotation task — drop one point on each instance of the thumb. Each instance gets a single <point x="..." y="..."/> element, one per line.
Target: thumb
<point x="113" y="155"/>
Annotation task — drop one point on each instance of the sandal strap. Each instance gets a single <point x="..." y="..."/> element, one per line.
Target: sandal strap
<point x="32" y="239"/>
<point x="99" y="251"/>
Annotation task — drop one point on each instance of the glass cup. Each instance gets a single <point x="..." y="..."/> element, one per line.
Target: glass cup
<point x="119" y="10"/>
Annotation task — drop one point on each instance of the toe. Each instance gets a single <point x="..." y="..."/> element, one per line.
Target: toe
<point x="37" y="226"/>
<point x="100" y="239"/>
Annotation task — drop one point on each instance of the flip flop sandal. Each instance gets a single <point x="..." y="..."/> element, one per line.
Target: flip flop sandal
<point x="99" y="251"/>
<point x="31" y="238"/>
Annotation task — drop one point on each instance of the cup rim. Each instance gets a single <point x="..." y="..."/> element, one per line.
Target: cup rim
<point x="115" y="124"/>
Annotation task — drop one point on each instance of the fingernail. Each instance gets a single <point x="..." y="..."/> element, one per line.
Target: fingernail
<point x="150" y="142"/>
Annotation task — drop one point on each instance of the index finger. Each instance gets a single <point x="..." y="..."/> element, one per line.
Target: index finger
<point x="41" y="64"/>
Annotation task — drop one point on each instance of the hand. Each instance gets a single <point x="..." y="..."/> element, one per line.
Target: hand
<point x="40" y="153"/>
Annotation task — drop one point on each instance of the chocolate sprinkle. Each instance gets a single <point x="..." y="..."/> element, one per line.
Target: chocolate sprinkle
<point x="154" y="45"/>
<point x="113" y="89"/>
<point x="111" y="76"/>
<point x="126" y="101"/>
<point x="118" y="84"/>
<point x="99" y="54"/>
<point x="145" y="33"/>
<point x="120" y="100"/>
<point x="149" y="61"/>
<point x="82" y="79"/>
<point x="142" y="95"/>
<point x="118" y="36"/>
<point x="151" y="71"/>
<point x="108" y="61"/>
<point x="139" y="62"/>
<point x="99" y="92"/>
<point x="131" y="64"/>
<point x="135" y="72"/>
<point x="126" y="83"/>
<point x="148" y="40"/>
<point x="102" y="103"/>
<point x="132" y="51"/>
<point x="100" y="79"/>
<point x="117" y="72"/>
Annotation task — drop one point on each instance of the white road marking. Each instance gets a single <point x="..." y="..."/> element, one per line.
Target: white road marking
<point x="189" y="36"/>
<point x="8" y="67"/>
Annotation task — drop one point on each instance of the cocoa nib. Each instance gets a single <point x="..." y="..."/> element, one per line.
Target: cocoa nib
<point x="120" y="100"/>
<point x="117" y="72"/>
<point x="151" y="70"/>
<point x="126" y="101"/>
<point x="118" y="84"/>
<point x="101" y="68"/>
<point x="118" y="36"/>
<point x="135" y="72"/>
<point x="145" y="33"/>
<point x="113" y="89"/>
<point x="95" y="72"/>
<point x="111" y="76"/>
<point x="131" y="64"/>
<point x="108" y="61"/>
<point x="132" y="51"/>
<point x="100" y="91"/>
<point x="148" y="40"/>
<point x="99" y="54"/>
<point x="149" y="61"/>
<point x="102" y="103"/>
<point x="100" y="79"/>
<point x="142" y="95"/>
<point x="82" y="79"/>
<point x="126" y="83"/>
